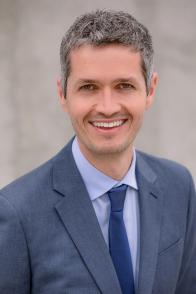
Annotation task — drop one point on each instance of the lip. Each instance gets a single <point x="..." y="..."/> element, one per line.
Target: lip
<point x="108" y="129"/>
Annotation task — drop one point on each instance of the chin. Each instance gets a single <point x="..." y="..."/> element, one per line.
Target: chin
<point x="110" y="149"/>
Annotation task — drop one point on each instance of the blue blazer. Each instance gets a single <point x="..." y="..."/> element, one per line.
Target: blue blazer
<point x="51" y="242"/>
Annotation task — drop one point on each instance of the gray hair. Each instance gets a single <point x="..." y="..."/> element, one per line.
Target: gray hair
<point x="104" y="27"/>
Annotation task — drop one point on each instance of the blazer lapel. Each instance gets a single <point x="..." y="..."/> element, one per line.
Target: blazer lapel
<point x="150" y="203"/>
<point x="77" y="214"/>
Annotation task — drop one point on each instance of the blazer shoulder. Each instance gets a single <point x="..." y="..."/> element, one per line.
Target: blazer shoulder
<point x="28" y="184"/>
<point x="170" y="171"/>
<point x="36" y="182"/>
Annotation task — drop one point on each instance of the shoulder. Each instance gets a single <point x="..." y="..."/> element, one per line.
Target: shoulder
<point x="27" y="186"/>
<point x="35" y="184"/>
<point x="162" y="165"/>
<point x="170" y="172"/>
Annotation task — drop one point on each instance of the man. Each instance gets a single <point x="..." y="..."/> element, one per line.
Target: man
<point x="62" y="229"/>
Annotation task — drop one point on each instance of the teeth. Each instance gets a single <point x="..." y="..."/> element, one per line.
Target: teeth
<point x="108" y="125"/>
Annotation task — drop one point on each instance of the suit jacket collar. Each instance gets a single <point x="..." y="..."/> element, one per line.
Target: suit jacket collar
<point x="77" y="214"/>
<point x="151" y="207"/>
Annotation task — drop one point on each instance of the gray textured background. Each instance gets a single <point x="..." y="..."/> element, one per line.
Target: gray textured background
<point x="32" y="124"/>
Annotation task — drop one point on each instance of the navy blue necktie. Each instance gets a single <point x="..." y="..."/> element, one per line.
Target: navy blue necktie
<point x="118" y="241"/>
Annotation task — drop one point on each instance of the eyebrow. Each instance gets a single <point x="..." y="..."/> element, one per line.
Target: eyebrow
<point x="124" y="80"/>
<point x="121" y="80"/>
<point x="88" y="81"/>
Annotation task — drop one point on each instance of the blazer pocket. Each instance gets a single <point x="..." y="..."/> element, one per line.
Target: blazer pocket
<point x="168" y="267"/>
<point x="177" y="243"/>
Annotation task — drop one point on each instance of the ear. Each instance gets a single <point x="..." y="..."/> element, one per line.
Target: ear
<point x="60" y="92"/>
<point x="150" y="96"/>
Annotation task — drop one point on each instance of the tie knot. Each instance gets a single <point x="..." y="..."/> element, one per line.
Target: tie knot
<point x="117" y="197"/>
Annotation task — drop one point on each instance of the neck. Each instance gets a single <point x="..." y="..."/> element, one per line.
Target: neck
<point x="112" y="165"/>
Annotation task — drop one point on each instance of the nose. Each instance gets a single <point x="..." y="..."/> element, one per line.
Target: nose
<point x="108" y="104"/>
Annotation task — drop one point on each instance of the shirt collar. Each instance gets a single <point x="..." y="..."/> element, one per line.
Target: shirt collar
<point x="97" y="183"/>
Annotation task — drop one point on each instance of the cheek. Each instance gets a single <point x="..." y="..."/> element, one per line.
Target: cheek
<point x="137" y="109"/>
<point x="77" y="112"/>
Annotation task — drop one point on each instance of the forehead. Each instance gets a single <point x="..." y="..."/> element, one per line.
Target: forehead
<point x="105" y="59"/>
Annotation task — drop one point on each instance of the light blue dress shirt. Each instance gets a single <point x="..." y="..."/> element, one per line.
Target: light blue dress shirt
<point x="97" y="184"/>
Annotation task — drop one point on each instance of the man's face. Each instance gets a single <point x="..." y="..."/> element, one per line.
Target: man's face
<point x="106" y="98"/>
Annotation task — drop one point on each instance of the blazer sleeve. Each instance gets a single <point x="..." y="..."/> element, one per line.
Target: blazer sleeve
<point x="14" y="261"/>
<point x="187" y="279"/>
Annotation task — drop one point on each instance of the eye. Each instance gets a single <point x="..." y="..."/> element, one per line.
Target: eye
<point x="125" y="86"/>
<point x="88" y="87"/>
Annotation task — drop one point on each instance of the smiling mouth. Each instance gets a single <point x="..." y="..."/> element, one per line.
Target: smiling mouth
<point x="108" y="125"/>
